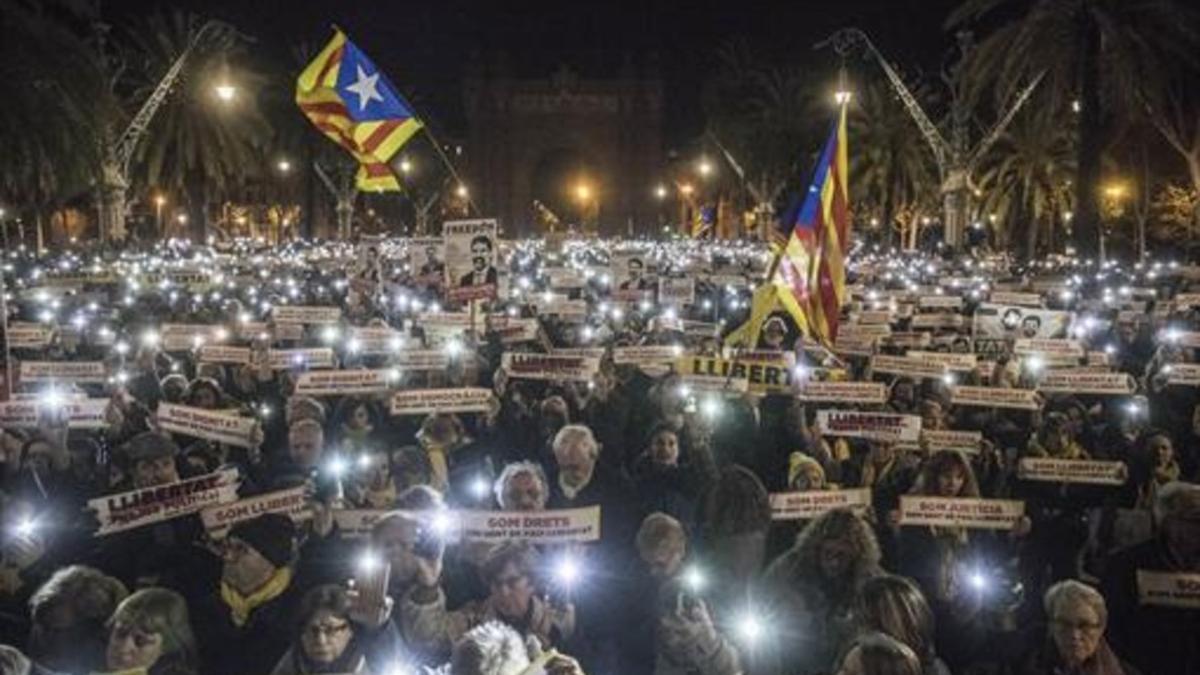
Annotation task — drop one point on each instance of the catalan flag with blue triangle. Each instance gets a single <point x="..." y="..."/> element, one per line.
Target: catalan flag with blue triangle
<point x="808" y="276"/>
<point x="349" y="100"/>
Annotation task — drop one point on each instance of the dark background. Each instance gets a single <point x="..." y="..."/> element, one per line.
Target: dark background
<point x="424" y="46"/>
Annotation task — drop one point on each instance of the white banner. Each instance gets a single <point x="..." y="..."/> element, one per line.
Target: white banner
<point x="24" y="335"/>
<point x="994" y="325"/>
<point x="909" y="339"/>
<point x="341" y="382"/>
<point x="223" y="354"/>
<point x="294" y="502"/>
<point x="902" y="365"/>
<point x="549" y="366"/>
<point x="1090" y="471"/>
<point x="676" y="292"/>
<point x="844" y="392"/>
<point x="421" y="359"/>
<point x="715" y="384"/>
<point x="989" y="397"/>
<point x="316" y="357"/>
<point x="129" y="510"/>
<point x="540" y="527"/>
<point x="810" y="504"/>
<point x="872" y="317"/>
<point x="426" y="401"/>
<point x="180" y="337"/>
<point x="512" y="330"/>
<point x="857" y="331"/>
<point x="871" y="425"/>
<point x="216" y="426"/>
<point x="1048" y="347"/>
<point x="947" y="439"/>
<point x="1169" y="589"/>
<point x="62" y="371"/>
<point x="983" y="514"/>
<point x="952" y="361"/>
<point x="936" y="321"/>
<point x="358" y="523"/>
<point x="374" y="341"/>
<point x="1015" y="298"/>
<point x="940" y="302"/>
<point x="646" y="354"/>
<point x="853" y="346"/>
<point x="87" y="413"/>
<point x="1186" y="374"/>
<point x="305" y="314"/>
<point x="1080" y="381"/>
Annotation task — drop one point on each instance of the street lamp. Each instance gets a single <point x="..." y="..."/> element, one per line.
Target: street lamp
<point x="686" y="189"/>
<point x="225" y="92"/>
<point x="461" y="191"/>
<point x="284" y="166"/>
<point x="584" y="192"/>
<point x="159" y="202"/>
<point x="405" y="166"/>
<point x="660" y="192"/>
<point x="705" y="167"/>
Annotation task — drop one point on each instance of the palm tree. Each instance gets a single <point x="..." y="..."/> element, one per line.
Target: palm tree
<point x="1025" y="179"/>
<point x="1096" y="54"/>
<point x="890" y="165"/>
<point x="55" y="101"/>
<point x="197" y="146"/>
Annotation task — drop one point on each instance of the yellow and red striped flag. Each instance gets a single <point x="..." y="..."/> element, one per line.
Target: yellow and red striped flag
<point x="808" y="277"/>
<point x="349" y="100"/>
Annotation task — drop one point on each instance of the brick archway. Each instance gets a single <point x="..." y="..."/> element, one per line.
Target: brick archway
<point x="517" y="125"/>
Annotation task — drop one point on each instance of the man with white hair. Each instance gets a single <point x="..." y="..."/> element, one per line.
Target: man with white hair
<point x="1153" y="589"/>
<point x="522" y="487"/>
<point x="495" y="648"/>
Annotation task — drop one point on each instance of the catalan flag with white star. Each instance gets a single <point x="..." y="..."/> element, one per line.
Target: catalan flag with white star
<point x="349" y="100"/>
<point x="808" y="276"/>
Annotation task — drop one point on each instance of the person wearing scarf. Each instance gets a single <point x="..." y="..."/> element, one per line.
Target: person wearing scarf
<point x="244" y="626"/>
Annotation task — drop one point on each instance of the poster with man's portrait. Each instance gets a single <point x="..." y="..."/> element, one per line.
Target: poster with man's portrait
<point x="427" y="260"/>
<point x="996" y="326"/>
<point x="470" y="259"/>
<point x="631" y="277"/>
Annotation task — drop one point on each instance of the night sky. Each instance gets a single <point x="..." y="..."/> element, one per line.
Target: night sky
<point x="424" y="46"/>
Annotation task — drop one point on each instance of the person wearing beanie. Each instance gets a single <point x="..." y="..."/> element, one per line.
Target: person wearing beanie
<point x="244" y="626"/>
<point x="150" y="460"/>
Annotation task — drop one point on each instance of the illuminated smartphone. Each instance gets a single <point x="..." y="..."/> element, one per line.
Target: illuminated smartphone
<point x="371" y="580"/>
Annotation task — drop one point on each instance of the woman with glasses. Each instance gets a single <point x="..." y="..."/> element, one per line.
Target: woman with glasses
<point x="1075" y="645"/>
<point x="338" y="633"/>
<point x="150" y="633"/>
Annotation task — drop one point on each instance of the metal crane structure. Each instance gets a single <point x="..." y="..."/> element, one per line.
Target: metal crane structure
<point x="114" y="172"/>
<point x="955" y="161"/>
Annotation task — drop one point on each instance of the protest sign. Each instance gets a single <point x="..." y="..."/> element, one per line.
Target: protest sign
<point x="222" y="427"/>
<point x="144" y="506"/>
<point x="276" y="331"/>
<point x="82" y="413"/>
<point x="564" y="278"/>
<point x="1169" y="589"/>
<point x="936" y="321"/>
<point x="872" y="317"/>
<point x="426" y="401"/>
<point x="511" y="330"/>
<point x="700" y="329"/>
<point x="646" y="354"/>
<point x="560" y="307"/>
<point x="1186" y="374"/>
<point x="677" y="292"/>
<point x="870" y="425"/>
<point x="421" y="359"/>
<point x="1015" y="298"/>
<point x="843" y="392"/>
<point x="947" y="439"/>
<point x="982" y="514"/>
<point x="853" y="346"/>
<point x="989" y="397"/>
<point x="1082" y="381"/>
<point x="83" y="372"/>
<point x="1089" y="471"/>
<point x="552" y="526"/>
<point x="316" y="357"/>
<point x="25" y="335"/>
<point x="861" y="331"/>
<point x="470" y="252"/>
<point x="308" y="315"/>
<point x="994" y="325"/>
<point x="953" y="302"/>
<point x="1072" y="349"/>
<point x="293" y="502"/>
<point x="810" y="504"/>
<point x="951" y="361"/>
<point x="223" y="354"/>
<point x="908" y="367"/>
<point x="1185" y="300"/>
<point x="549" y="366"/>
<point x="631" y="277"/>
<point x="179" y="337"/>
<point x="908" y="339"/>
<point x="763" y="377"/>
<point x="342" y="382"/>
<point x="358" y="523"/>
<point x="374" y="340"/>
<point x="426" y="260"/>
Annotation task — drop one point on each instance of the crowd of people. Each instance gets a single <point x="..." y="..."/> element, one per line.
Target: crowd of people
<point x="217" y="462"/>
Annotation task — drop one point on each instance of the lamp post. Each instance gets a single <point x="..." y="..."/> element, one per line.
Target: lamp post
<point x="1114" y="193"/>
<point x="583" y="194"/>
<point x="159" y="202"/>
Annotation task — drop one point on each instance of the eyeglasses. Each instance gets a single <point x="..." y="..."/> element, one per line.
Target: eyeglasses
<point x="1072" y="626"/>
<point x="317" y="630"/>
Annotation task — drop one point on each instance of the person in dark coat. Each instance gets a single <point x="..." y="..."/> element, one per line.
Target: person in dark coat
<point x="1156" y="637"/>
<point x="1075" y="642"/>
<point x="244" y="626"/>
<point x="664" y="483"/>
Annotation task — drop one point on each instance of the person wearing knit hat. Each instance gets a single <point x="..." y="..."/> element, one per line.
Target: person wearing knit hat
<point x="150" y="458"/>
<point x="246" y="626"/>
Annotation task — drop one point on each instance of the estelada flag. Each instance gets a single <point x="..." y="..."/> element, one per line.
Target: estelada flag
<point x="349" y="100"/>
